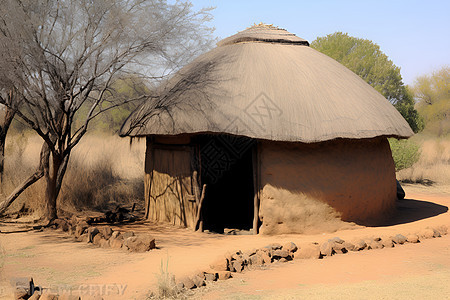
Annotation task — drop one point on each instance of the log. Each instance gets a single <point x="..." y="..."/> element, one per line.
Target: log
<point x="22" y="187"/>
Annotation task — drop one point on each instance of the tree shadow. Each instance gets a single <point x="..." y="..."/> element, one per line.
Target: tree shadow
<point x="411" y="210"/>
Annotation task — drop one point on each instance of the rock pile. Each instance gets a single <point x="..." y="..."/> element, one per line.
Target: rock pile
<point x="238" y="261"/>
<point x="105" y="236"/>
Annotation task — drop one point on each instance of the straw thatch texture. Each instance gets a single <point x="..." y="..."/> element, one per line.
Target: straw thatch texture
<point x="260" y="85"/>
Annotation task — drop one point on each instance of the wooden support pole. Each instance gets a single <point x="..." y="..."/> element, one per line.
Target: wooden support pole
<point x="199" y="219"/>
<point x="255" y="161"/>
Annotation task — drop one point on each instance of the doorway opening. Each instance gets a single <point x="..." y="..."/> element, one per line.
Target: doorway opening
<point x="227" y="170"/>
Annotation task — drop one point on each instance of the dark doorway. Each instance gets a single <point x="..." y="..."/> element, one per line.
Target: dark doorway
<point x="227" y="170"/>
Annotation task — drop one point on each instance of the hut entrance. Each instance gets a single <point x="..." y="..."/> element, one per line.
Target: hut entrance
<point x="227" y="170"/>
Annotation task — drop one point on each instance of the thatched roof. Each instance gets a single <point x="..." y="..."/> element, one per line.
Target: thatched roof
<point x="267" y="83"/>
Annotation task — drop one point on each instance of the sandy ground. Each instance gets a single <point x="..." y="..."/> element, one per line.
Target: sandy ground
<point x="412" y="271"/>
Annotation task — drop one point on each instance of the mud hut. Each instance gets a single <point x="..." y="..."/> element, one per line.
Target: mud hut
<point x="265" y="133"/>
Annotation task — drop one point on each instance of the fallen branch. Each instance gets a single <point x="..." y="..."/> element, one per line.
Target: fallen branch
<point x="45" y="152"/>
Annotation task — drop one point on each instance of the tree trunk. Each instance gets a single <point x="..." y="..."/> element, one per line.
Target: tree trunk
<point x="28" y="182"/>
<point x="9" y="116"/>
<point x="50" y="175"/>
<point x="53" y="180"/>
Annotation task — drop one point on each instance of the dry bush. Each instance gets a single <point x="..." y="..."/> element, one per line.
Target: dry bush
<point x="97" y="186"/>
<point x="21" y="160"/>
<point x="103" y="171"/>
<point x="433" y="165"/>
<point x="167" y="287"/>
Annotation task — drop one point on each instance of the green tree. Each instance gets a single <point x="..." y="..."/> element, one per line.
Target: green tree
<point x="366" y="59"/>
<point x="433" y="95"/>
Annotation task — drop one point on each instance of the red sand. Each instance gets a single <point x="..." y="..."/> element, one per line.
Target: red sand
<point x="412" y="271"/>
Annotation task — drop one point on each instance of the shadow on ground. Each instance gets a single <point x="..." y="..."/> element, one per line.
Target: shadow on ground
<point x="411" y="210"/>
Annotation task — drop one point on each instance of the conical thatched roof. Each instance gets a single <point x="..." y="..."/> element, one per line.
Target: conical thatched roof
<point x="267" y="83"/>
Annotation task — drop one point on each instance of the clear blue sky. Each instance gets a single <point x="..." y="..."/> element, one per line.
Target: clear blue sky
<point x="414" y="34"/>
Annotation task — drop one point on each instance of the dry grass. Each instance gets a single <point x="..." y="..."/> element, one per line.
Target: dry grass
<point x="103" y="171"/>
<point x="433" y="165"/>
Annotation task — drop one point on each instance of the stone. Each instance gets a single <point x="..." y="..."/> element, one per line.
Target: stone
<point x="399" y="239"/>
<point x="61" y="224"/>
<point x="84" y="238"/>
<point x="250" y="252"/>
<point x="97" y="239"/>
<point x="106" y="231"/>
<point x="198" y="281"/>
<point x="372" y="244"/>
<point x="436" y="233"/>
<point x="256" y="260"/>
<point x="387" y="243"/>
<point x="92" y="232"/>
<point x="360" y="245"/>
<point x="116" y="235"/>
<point x="20" y="293"/>
<point x="180" y="286"/>
<point x="308" y="251"/>
<point x="283" y="260"/>
<point x="443" y="230"/>
<point x="290" y="247"/>
<point x="115" y="243"/>
<point x="220" y="264"/>
<point x="339" y="248"/>
<point x="326" y="249"/>
<point x="426" y="233"/>
<point x="80" y="229"/>
<point x="267" y="249"/>
<point x="278" y="254"/>
<point x="274" y="246"/>
<point x="337" y="240"/>
<point x="104" y="243"/>
<point x="128" y="234"/>
<point x="211" y="276"/>
<point x="237" y="266"/>
<point x="187" y="282"/>
<point x="224" y="275"/>
<point x="412" y="238"/>
<point x="349" y="246"/>
<point x="236" y="255"/>
<point x="265" y="257"/>
<point x="140" y="243"/>
<point x="245" y="258"/>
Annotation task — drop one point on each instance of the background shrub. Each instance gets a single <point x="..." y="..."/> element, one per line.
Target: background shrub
<point x="404" y="152"/>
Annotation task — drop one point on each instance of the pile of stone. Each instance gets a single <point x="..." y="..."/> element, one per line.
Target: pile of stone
<point x="104" y="236"/>
<point x="237" y="262"/>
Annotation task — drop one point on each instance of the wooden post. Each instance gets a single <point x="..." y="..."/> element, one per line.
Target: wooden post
<point x="199" y="197"/>
<point x="149" y="154"/>
<point x="255" y="162"/>
<point x="199" y="219"/>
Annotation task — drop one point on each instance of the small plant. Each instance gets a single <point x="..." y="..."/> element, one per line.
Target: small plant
<point x="404" y="152"/>
<point x="167" y="287"/>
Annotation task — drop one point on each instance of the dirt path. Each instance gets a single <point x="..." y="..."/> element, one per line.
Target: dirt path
<point x="410" y="271"/>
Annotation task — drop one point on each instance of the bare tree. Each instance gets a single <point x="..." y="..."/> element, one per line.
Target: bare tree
<point x="73" y="51"/>
<point x="9" y="69"/>
<point x="6" y="118"/>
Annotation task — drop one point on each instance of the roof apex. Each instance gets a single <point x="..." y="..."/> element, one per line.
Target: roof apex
<point x="263" y="33"/>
